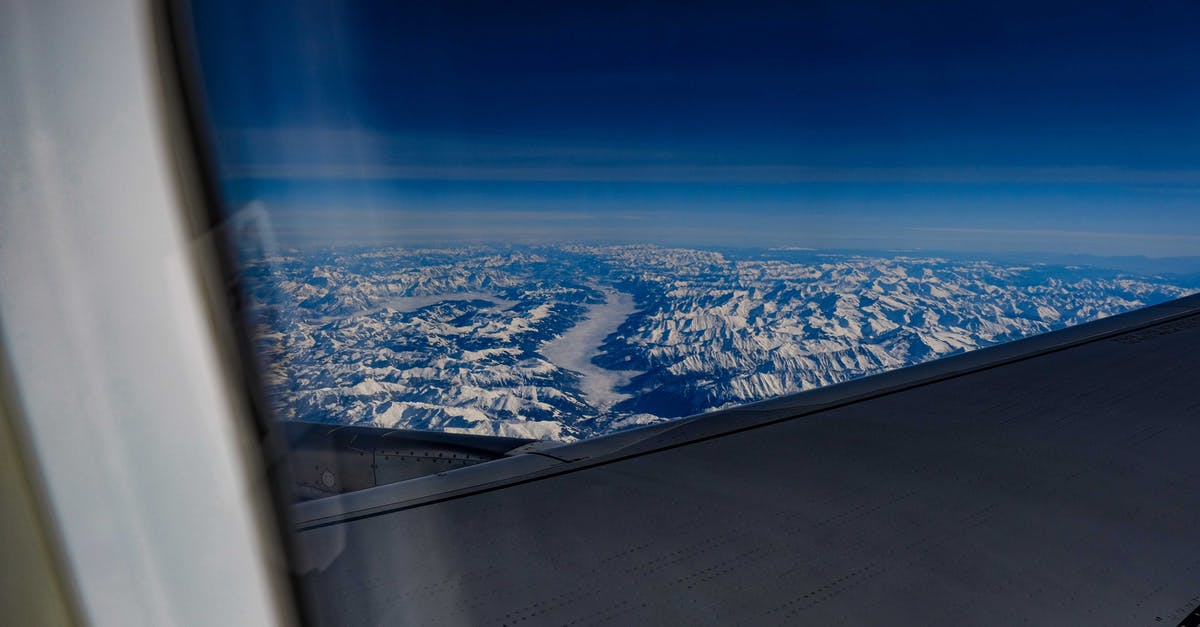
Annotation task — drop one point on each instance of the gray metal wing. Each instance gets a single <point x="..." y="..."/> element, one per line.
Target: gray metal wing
<point x="1051" y="481"/>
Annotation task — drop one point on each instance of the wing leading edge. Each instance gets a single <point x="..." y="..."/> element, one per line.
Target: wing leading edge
<point x="1050" y="480"/>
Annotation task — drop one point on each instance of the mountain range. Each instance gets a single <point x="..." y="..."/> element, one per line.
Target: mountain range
<point x="567" y="342"/>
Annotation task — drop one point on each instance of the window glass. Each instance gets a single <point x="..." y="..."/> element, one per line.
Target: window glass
<point x="552" y="221"/>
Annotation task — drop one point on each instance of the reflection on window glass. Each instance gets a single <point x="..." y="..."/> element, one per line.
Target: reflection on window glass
<point x="560" y="222"/>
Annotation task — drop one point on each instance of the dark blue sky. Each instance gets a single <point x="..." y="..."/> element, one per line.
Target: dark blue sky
<point x="997" y="127"/>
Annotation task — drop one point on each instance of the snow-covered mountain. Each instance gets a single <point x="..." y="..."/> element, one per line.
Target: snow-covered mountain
<point x="572" y="341"/>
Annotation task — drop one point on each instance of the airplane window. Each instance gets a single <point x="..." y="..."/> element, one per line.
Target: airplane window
<point x="491" y="261"/>
<point x="554" y="222"/>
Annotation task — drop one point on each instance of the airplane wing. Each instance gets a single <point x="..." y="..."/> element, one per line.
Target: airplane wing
<point x="1050" y="481"/>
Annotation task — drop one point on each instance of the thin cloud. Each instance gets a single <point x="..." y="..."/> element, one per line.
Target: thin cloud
<point x="362" y="154"/>
<point x="1056" y="233"/>
<point x="683" y="173"/>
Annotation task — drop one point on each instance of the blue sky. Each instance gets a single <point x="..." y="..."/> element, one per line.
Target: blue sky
<point x="1001" y="127"/>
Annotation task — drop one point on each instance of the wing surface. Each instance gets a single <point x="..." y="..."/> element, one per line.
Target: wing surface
<point x="1049" y="481"/>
